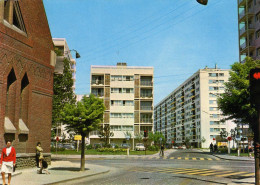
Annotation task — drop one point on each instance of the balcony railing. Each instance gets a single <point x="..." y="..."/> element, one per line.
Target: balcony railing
<point x="146" y="108"/>
<point x="97" y="82"/>
<point x="146" y="83"/>
<point x="146" y="120"/>
<point x="146" y="95"/>
<point x="98" y="94"/>
<point x="242" y="14"/>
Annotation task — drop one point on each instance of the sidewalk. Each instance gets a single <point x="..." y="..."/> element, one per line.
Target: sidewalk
<point x="228" y="157"/>
<point x="60" y="172"/>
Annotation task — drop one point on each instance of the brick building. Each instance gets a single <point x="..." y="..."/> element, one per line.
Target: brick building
<point x="26" y="75"/>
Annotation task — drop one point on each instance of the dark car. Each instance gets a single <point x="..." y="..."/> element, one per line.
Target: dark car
<point x="69" y="146"/>
<point x="126" y="145"/>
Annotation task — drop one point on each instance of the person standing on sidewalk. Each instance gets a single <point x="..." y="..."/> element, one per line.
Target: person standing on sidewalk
<point x="7" y="162"/>
<point x="162" y="150"/>
<point x="40" y="158"/>
<point x="211" y="147"/>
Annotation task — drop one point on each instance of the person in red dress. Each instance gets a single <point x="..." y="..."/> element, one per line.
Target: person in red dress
<point x="7" y="162"/>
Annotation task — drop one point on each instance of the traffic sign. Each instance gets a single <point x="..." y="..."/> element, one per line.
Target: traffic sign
<point x="229" y="138"/>
<point x="77" y="137"/>
<point x="255" y="86"/>
<point x="57" y="139"/>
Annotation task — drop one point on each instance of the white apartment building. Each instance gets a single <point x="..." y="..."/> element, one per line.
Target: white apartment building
<point x="128" y="97"/>
<point x="191" y="110"/>
<point x="63" y="47"/>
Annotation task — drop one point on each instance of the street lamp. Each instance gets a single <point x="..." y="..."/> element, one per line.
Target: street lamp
<point x="203" y="2"/>
<point x="77" y="54"/>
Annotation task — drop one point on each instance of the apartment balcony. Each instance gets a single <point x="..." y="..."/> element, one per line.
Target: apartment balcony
<point x="146" y="83"/>
<point x="97" y="82"/>
<point x="243" y="31"/>
<point x="146" y="95"/>
<point x="243" y="2"/>
<point x="244" y="16"/>
<point x="146" y="108"/>
<point x="146" y="120"/>
<point x="244" y="48"/>
<point x="98" y="94"/>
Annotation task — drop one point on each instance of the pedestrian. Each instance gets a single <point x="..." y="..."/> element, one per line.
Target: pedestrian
<point x="215" y="148"/>
<point x="162" y="151"/>
<point x="39" y="151"/>
<point x="37" y="155"/>
<point x="7" y="162"/>
<point x="211" y="147"/>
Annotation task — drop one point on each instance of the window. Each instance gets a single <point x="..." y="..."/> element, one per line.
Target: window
<point x="257" y="17"/>
<point x="214" y="122"/>
<point x="16" y="19"/>
<point x="212" y="74"/>
<point x="258" y="51"/>
<point x="214" y="115"/>
<point x="213" y="108"/>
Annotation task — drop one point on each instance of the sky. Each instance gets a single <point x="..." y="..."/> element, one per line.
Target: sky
<point x="176" y="37"/>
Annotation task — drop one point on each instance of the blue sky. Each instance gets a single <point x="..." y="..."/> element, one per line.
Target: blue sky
<point x="176" y="37"/>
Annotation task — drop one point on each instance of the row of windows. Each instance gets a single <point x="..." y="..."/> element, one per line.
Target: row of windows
<point x="122" y="90"/>
<point x="215" y="74"/>
<point x="122" y="103"/>
<point x="122" y="78"/>
<point x="217" y="129"/>
<point x="212" y="88"/>
<point x="121" y="115"/>
<point x="216" y="81"/>
<point x="121" y="128"/>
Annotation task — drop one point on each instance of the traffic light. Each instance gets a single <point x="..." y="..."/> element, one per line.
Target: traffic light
<point x="145" y="133"/>
<point x="255" y="86"/>
<point x="204" y="2"/>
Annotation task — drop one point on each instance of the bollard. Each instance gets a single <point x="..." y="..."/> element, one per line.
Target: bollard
<point x="238" y="152"/>
<point x="127" y="151"/>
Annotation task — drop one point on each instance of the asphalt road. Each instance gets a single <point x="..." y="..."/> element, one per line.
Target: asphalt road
<point x="182" y="167"/>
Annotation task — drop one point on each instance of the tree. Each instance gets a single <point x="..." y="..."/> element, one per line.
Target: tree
<point x="235" y="103"/>
<point x="62" y="90"/>
<point x="82" y="118"/>
<point x="139" y="137"/>
<point x="187" y="141"/>
<point x="105" y="134"/>
<point x="155" y="137"/>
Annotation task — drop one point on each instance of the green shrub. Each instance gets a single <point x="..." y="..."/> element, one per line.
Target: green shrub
<point x="89" y="147"/>
<point x="53" y="149"/>
<point x="223" y="150"/>
<point x="97" y="146"/>
<point x="112" y="150"/>
<point x="116" y="146"/>
<point x="153" y="148"/>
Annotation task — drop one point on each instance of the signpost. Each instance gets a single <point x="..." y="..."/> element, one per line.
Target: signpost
<point x="77" y="138"/>
<point x="229" y="139"/>
<point x="127" y="138"/>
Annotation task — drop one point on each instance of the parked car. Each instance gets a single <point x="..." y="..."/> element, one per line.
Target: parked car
<point x="113" y="145"/>
<point x="139" y="147"/>
<point x="126" y="145"/>
<point x="69" y="146"/>
<point x="59" y="145"/>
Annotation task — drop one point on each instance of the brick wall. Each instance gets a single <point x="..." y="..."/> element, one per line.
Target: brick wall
<point x="27" y="56"/>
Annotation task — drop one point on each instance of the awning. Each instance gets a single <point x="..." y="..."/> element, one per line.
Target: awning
<point x="23" y="129"/>
<point x="8" y="126"/>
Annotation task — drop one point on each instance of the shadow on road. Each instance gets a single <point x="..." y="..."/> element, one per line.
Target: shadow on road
<point x="67" y="169"/>
<point x="200" y="179"/>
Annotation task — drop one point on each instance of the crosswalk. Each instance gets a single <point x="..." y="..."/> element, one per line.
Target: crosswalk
<point x="157" y="158"/>
<point x="197" y="172"/>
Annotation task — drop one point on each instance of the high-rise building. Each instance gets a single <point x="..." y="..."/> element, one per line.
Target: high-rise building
<point x="128" y="97"/>
<point x="63" y="47"/>
<point x="191" y="112"/>
<point x="249" y="29"/>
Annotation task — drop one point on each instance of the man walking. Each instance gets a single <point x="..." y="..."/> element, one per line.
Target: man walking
<point x="162" y="151"/>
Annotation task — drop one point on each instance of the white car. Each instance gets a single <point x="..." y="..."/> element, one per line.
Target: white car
<point x="139" y="146"/>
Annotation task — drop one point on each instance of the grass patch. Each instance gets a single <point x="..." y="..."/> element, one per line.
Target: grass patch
<point x="95" y="152"/>
<point x="242" y="154"/>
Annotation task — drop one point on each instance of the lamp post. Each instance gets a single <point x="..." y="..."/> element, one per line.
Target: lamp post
<point x="77" y="54"/>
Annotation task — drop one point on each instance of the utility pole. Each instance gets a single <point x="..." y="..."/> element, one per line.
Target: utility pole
<point x="255" y="102"/>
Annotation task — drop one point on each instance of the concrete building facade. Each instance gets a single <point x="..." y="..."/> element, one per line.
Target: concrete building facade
<point x="27" y="60"/>
<point x="249" y="29"/>
<point x="191" y="110"/>
<point x="128" y="97"/>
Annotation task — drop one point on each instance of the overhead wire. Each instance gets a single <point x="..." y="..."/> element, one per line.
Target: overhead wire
<point x="153" y="34"/>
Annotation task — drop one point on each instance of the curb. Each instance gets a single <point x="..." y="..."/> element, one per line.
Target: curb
<point x="13" y="175"/>
<point x="231" y="159"/>
<point x="77" y="178"/>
